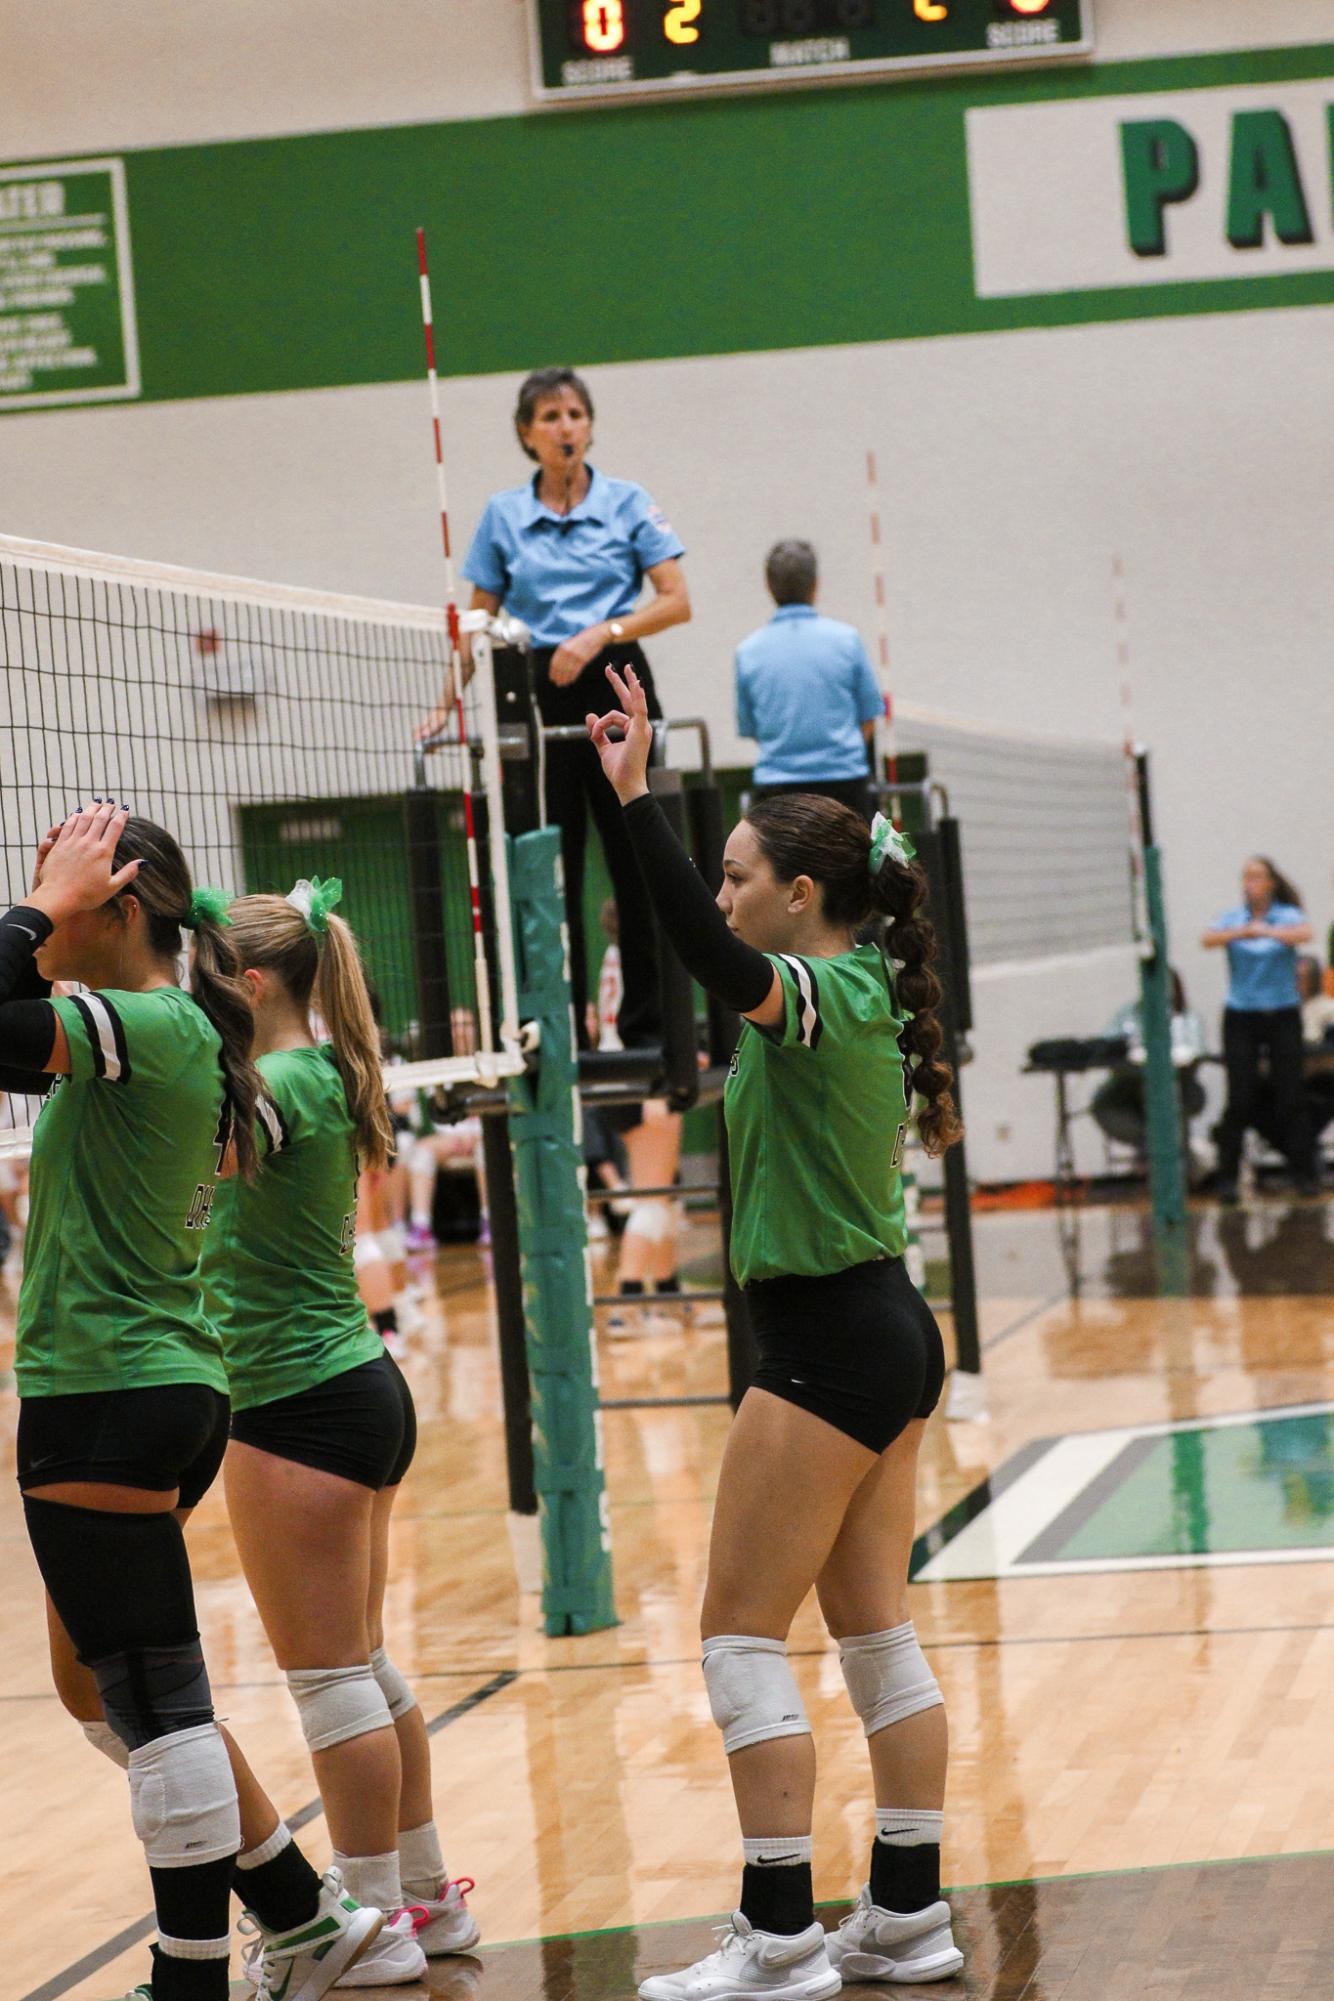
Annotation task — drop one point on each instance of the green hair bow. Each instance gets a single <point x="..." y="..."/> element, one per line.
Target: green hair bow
<point x="888" y="842"/>
<point x="315" y="899"/>
<point x="207" y="906"/>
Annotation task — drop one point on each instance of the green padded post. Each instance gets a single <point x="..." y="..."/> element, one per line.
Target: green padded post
<point x="1167" y="1180"/>
<point x="546" y="1135"/>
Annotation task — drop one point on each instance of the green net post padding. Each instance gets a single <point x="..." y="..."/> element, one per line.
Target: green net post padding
<point x="546" y="1135"/>
<point x="1167" y="1178"/>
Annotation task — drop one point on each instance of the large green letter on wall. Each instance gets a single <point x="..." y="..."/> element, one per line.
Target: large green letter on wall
<point x="1161" y="164"/>
<point x="1265" y="180"/>
<point x="553" y="1245"/>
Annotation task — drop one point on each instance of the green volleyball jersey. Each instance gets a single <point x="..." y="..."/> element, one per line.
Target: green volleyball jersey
<point x="125" y="1159"/>
<point x="816" y="1123"/>
<point x="278" y="1271"/>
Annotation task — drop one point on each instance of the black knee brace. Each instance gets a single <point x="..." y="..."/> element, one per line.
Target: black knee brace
<point x="147" y="1692"/>
<point x="121" y="1584"/>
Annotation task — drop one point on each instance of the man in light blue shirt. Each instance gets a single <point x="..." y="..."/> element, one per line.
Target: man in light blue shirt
<point x="806" y="691"/>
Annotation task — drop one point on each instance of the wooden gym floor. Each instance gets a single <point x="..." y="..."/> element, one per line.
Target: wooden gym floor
<point x="1134" y="1633"/>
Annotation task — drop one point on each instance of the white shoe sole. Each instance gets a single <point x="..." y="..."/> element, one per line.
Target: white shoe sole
<point x="820" y="1987"/>
<point x="364" y="1927"/>
<point x="904" y="1972"/>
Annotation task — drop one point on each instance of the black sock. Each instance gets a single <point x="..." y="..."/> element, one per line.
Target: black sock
<point x="283" y="1892"/>
<point x="386" y="1322"/>
<point x="670" y="1285"/>
<point x="777" y="1897"/>
<point x="189" y="1979"/>
<point x="631" y="1288"/>
<point x="192" y="1903"/>
<point x="905" y="1879"/>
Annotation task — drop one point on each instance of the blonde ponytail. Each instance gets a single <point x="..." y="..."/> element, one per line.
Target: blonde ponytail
<point x="324" y="967"/>
<point x="344" y="1005"/>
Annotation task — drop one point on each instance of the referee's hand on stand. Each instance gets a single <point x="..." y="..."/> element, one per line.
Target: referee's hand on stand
<point x="624" y="762"/>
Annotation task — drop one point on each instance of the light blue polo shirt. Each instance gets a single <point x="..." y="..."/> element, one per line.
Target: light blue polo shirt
<point x="804" y="687"/>
<point x="560" y="573"/>
<point x="1263" y="970"/>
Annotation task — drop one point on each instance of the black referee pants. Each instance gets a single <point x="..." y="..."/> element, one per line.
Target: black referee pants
<point x="1275" y="1034"/>
<point x="853" y="792"/>
<point x="575" y="788"/>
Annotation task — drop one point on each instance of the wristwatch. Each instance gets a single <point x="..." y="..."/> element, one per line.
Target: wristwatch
<point x="616" y="631"/>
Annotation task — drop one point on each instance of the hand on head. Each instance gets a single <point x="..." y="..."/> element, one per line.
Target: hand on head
<point x="75" y="863"/>
<point x="625" y="763"/>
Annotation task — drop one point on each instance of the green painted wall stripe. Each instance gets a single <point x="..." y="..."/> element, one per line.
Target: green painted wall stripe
<point x="810" y="218"/>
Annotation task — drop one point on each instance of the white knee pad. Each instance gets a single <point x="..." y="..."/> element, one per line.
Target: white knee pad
<point x="422" y="1158"/>
<point x="887" y="1677"/>
<point x="337" y="1703"/>
<point x="183" y="1798"/>
<point x="652" y="1221"/>
<point x="366" y="1251"/>
<point x="104" y="1739"/>
<point x="393" y="1244"/>
<point x="393" y="1686"/>
<point x="751" y="1691"/>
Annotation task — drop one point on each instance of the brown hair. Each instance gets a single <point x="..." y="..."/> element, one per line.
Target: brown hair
<point x="801" y="833"/>
<point x="164" y="889"/>
<point x="1284" y="890"/>
<point x="272" y="935"/>
<point x="545" y="382"/>
<point x="791" y="571"/>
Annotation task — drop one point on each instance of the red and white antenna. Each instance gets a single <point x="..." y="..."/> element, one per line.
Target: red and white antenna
<point x="887" y="735"/>
<point x="482" y="970"/>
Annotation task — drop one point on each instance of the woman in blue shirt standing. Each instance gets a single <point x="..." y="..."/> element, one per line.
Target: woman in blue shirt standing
<point x="567" y="552"/>
<point x="1263" y="1018"/>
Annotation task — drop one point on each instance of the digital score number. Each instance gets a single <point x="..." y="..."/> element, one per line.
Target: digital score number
<point x="609" y="48"/>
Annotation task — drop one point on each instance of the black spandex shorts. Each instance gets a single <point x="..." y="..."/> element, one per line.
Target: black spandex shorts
<point x="360" y="1425"/>
<point x="173" y="1435"/>
<point x="621" y="1119"/>
<point x="859" y="1348"/>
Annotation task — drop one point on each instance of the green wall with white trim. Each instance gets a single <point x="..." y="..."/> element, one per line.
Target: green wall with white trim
<point x="739" y="224"/>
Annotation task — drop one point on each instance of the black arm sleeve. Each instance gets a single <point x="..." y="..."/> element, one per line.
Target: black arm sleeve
<point x="736" y="974"/>
<point x="27" y="1021"/>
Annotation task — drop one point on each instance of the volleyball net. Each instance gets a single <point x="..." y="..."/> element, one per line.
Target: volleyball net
<point x="1047" y="835"/>
<point x="272" y="731"/>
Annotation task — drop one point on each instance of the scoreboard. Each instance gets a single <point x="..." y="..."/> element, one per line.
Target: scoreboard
<point x="611" y="48"/>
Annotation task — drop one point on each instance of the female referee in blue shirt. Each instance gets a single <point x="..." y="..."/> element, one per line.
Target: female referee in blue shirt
<point x="1263" y="1017"/>
<point x="568" y="552"/>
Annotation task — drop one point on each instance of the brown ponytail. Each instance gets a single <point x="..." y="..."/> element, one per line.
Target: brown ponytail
<point x="325" y="968"/>
<point x="164" y="890"/>
<point x="899" y="893"/>
<point x="802" y="833"/>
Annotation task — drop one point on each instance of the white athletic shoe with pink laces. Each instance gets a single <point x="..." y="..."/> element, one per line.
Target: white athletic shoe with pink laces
<point x="444" y="1924"/>
<point x="395" y="1957"/>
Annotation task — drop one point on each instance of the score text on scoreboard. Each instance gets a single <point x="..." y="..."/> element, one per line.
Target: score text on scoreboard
<point x="610" y="48"/>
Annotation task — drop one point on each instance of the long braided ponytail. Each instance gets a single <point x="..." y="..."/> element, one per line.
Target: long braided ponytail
<point x="803" y="833"/>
